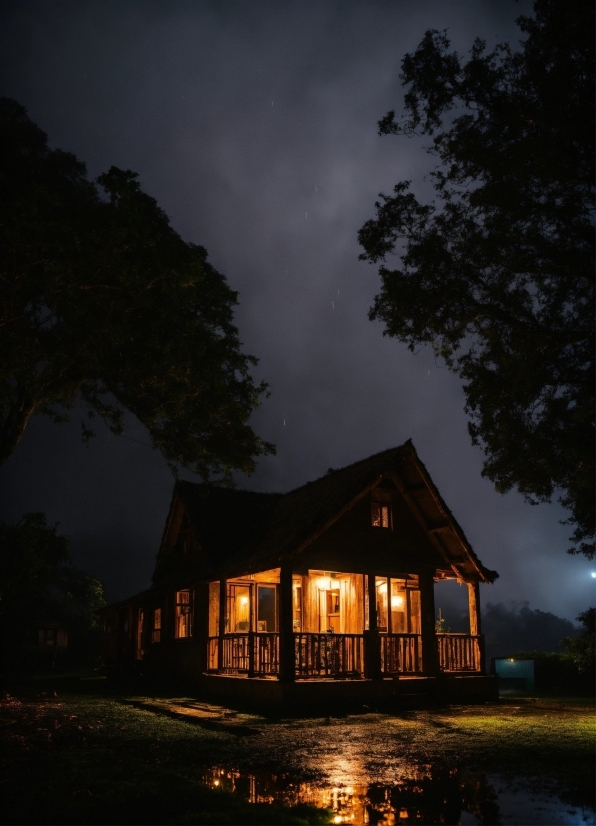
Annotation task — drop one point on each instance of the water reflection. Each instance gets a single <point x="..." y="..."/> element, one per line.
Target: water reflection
<point x="427" y="795"/>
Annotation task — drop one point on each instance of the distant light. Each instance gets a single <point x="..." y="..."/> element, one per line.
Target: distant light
<point x="593" y="574"/>
<point x="511" y="660"/>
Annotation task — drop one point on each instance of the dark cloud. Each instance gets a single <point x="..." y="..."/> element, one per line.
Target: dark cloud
<point x="254" y="125"/>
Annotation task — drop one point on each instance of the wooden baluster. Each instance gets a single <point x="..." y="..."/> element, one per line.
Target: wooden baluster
<point x="287" y="670"/>
<point x="427" y="610"/>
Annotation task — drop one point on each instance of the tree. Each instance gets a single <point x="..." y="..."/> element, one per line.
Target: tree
<point x="38" y="584"/>
<point x="497" y="274"/>
<point x="101" y="300"/>
<point x="582" y="649"/>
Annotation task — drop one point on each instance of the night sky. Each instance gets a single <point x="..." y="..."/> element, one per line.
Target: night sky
<point x="254" y="125"/>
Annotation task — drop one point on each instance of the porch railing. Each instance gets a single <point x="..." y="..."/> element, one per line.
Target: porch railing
<point x="459" y="652"/>
<point x="212" y="654"/>
<point x="266" y="654"/>
<point x="401" y="654"/>
<point x="235" y="653"/>
<point x="337" y="655"/>
<point x="254" y="654"/>
<point x="329" y="655"/>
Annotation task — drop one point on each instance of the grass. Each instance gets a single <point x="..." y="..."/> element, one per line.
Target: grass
<point x="86" y="757"/>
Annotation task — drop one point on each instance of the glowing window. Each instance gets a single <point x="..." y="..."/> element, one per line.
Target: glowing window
<point x="182" y="627"/>
<point x="156" y="630"/>
<point x="380" y="509"/>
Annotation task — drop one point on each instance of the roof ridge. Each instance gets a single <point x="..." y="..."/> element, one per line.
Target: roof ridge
<point x="333" y="471"/>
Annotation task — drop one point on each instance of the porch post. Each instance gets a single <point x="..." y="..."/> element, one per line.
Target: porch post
<point x="252" y="625"/>
<point x="430" y="654"/>
<point x="200" y="617"/>
<point x="475" y="626"/>
<point x="222" y="620"/>
<point x="287" y="653"/>
<point x="372" y="641"/>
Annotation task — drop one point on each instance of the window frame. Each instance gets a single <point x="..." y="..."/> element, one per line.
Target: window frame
<point x="381" y="500"/>
<point x="156" y="625"/>
<point x="182" y="610"/>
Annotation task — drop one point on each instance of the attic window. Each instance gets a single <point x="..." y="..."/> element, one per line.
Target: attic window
<point x="380" y="509"/>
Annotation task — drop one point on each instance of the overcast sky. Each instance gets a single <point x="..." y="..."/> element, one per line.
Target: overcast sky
<point x="254" y="125"/>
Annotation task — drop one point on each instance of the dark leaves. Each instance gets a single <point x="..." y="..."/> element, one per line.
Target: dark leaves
<point x="499" y="276"/>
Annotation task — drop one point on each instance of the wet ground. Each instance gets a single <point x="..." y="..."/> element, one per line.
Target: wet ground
<point x="82" y="757"/>
<point x="503" y="763"/>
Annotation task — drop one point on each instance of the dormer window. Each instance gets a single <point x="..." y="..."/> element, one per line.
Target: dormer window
<point x="380" y="509"/>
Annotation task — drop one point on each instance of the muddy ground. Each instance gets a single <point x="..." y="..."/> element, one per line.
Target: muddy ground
<point x="75" y="753"/>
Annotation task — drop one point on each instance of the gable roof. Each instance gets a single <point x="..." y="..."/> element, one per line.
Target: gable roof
<point x="242" y="532"/>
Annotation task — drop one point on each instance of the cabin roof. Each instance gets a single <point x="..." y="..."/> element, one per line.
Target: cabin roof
<point x="243" y="531"/>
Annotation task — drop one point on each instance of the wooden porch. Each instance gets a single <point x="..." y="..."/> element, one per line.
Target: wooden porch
<point x="343" y="656"/>
<point x="291" y="626"/>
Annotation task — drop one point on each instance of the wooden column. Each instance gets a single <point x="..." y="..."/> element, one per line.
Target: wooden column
<point x="430" y="654"/>
<point x="474" y="606"/>
<point x="287" y="648"/>
<point x="372" y="642"/>
<point x="252" y="625"/>
<point x="475" y="626"/>
<point x="222" y="623"/>
<point x="200" y="622"/>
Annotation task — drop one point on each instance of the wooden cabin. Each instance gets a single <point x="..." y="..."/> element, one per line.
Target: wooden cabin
<point x="323" y="595"/>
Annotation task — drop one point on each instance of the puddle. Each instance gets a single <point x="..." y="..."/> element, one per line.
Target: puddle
<point x="422" y="795"/>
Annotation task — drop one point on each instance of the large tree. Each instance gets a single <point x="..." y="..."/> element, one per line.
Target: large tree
<point x="497" y="273"/>
<point x="101" y="300"/>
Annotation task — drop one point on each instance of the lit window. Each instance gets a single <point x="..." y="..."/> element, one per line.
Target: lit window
<point x="156" y="630"/>
<point x="182" y="627"/>
<point x="380" y="509"/>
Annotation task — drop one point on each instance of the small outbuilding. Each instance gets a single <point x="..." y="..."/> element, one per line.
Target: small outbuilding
<point x="320" y="596"/>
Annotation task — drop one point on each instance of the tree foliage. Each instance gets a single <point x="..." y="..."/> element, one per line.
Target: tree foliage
<point x="101" y="300"/>
<point x="582" y="649"/>
<point x="497" y="274"/>
<point x="38" y="585"/>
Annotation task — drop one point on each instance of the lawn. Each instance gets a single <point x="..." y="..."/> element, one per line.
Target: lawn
<point x="74" y="753"/>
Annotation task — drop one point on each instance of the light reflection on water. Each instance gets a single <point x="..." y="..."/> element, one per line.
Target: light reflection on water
<point x="423" y="795"/>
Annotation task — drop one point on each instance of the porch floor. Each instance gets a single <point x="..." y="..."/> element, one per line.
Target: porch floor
<point x="324" y="695"/>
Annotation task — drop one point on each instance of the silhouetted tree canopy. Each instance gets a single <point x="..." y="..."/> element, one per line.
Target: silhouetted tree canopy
<point x="497" y="274"/>
<point x="101" y="300"/>
<point x="582" y="649"/>
<point x="38" y="584"/>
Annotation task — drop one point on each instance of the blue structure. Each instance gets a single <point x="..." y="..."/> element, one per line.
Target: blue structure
<point x="514" y="673"/>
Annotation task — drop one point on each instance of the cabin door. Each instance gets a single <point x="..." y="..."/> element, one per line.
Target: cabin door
<point x="266" y="608"/>
<point x="329" y="610"/>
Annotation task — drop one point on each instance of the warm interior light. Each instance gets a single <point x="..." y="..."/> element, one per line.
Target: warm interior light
<point x="382" y="588"/>
<point x="337" y="819"/>
<point x="243" y="600"/>
<point x="216" y="782"/>
<point x="397" y="602"/>
<point x="324" y="583"/>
